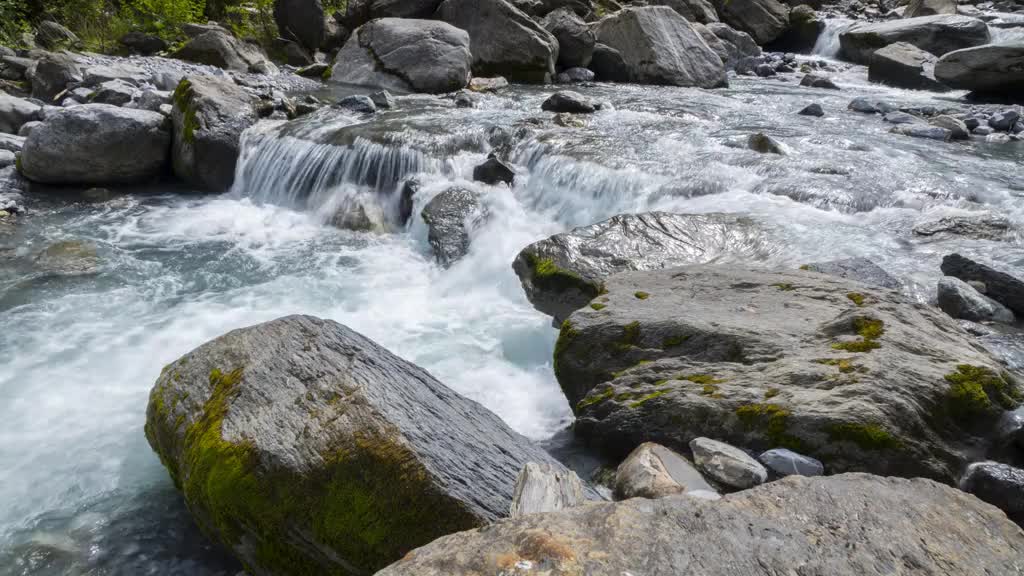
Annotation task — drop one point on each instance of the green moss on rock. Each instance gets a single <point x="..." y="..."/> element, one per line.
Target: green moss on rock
<point x="869" y="330"/>
<point x="549" y="276"/>
<point x="641" y="295"/>
<point x="598" y="306"/>
<point x="593" y="398"/>
<point x="673" y="341"/>
<point x="771" y="420"/>
<point x="857" y="298"/>
<point x="784" y="286"/>
<point x="976" y="391"/>
<point x="867" y="436"/>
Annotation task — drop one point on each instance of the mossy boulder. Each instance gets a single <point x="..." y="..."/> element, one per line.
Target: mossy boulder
<point x="566" y="271"/>
<point x="853" y="375"/>
<point x="305" y="448"/>
<point x="209" y="116"/>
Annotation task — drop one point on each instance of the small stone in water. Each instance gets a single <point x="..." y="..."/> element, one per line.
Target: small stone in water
<point x="764" y="144"/>
<point x="358" y="103"/>
<point x="812" y="110"/>
<point x="383" y="99"/>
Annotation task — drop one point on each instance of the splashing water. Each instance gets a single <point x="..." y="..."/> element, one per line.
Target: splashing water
<point x="827" y="44"/>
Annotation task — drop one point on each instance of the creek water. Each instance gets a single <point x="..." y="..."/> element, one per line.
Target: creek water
<point x="80" y="490"/>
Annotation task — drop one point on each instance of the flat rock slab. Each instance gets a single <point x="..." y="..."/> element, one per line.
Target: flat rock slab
<point x="847" y="525"/>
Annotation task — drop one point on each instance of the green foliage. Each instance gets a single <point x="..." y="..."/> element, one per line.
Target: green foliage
<point x="869" y="330"/>
<point x="13" y="22"/>
<point x="162" y="17"/>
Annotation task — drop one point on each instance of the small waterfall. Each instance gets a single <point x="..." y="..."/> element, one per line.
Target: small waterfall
<point x="828" y="42"/>
<point x="1007" y="29"/>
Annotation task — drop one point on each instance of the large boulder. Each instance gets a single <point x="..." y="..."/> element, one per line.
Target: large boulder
<point x="990" y="69"/>
<point x="563" y="273"/>
<point x="97" y="144"/>
<point x="450" y="217"/>
<point x="935" y="34"/>
<point x="16" y="112"/>
<point x="54" y="36"/>
<point x="738" y="45"/>
<point x="854" y="376"/>
<point x="917" y="8"/>
<point x="764" y="20"/>
<point x="220" y="49"/>
<point x="209" y="116"/>
<point x="905" y="66"/>
<point x="405" y="56"/>
<point x="847" y="525"/>
<point x="306" y="448"/>
<point x="575" y="38"/>
<point x="504" y="40"/>
<point x="699" y="11"/>
<point x="659" y="46"/>
<point x="301" y="21"/>
<point x="998" y="484"/>
<point x="359" y="12"/>
<point x="52" y="74"/>
<point x="804" y="28"/>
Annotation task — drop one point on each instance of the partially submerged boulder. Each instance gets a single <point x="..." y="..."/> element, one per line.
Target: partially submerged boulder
<point x="450" y="217"/>
<point x="999" y="286"/>
<point x="405" y="56"/>
<point x="566" y="271"/>
<point x="847" y="525"/>
<point x="853" y="375"/>
<point x="209" y="116"/>
<point x="993" y="69"/>
<point x="504" y="40"/>
<point x="575" y="38"/>
<point x="935" y="34"/>
<point x="961" y="300"/>
<point x="905" y="66"/>
<point x="304" y="447"/>
<point x="97" y="144"/>
<point x="658" y="46"/>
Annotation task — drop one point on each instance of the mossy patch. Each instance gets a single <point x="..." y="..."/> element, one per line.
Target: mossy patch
<point x="976" y="391"/>
<point x="699" y="378"/>
<point x="549" y="276"/>
<point x="784" y="286"/>
<point x="771" y="420"/>
<point x="869" y="330"/>
<point x="183" y="100"/>
<point x="771" y="393"/>
<point x="673" y="341"/>
<point x="565" y="337"/>
<point x="592" y="398"/>
<point x="867" y="436"/>
<point x="805" y="267"/>
<point x="857" y="298"/>
<point x="844" y="365"/>
<point x="598" y="306"/>
<point x="641" y="295"/>
<point x="640" y="401"/>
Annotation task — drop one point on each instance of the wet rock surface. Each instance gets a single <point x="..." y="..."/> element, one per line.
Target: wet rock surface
<point x="450" y="217"/>
<point x="999" y="286"/>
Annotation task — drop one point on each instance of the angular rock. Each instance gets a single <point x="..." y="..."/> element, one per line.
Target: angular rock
<point x="985" y="226"/>
<point x="917" y="8"/>
<point x="133" y="75"/>
<point x="566" y="271"/>
<point x="923" y="131"/>
<point x="812" y="110"/>
<point x="299" y="443"/>
<point x="1011" y="428"/>
<point x="7" y="158"/>
<point x="999" y="286"/>
<point x="193" y="29"/>
<point x="658" y="46"/>
<point x="114" y="92"/>
<point x="450" y="216"/>
<point x="905" y="66"/>
<point x="764" y="20"/>
<point x="358" y="103"/>
<point x="568" y="101"/>
<point x="713" y="42"/>
<point x="1004" y="121"/>
<point x="935" y="34"/>
<point x="960" y="300"/>
<point x="817" y="81"/>
<point x="855" y="376"/>
<point x="209" y="117"/>
<point x="383" y="100"/>
<point x="12" y="143"/>
<point x="998" y="484"/>
<point x="839" y="525"/>
<point x="405" y="56"/>
<point x="361" y="213"/>
<point x="856" y="269"/>
<point x="300" y="20"/>
<point x="901" y="118"/>
<point x="97" y="144"/>
<point x="727" y="464"/>
<point x="738" y="45"/>
<point x="575" y="39"/>
<point x="608" y="65"/>
<point x="16" y="112"/>
<point x="653" y="471"/>
<point x="504" y="41"/>
<point x="545" y="488"/>
<point x="868" y="106"/>
<point x="783" y="462"/>
<point x="52" y="74"/>
<point x="957" y="129"/>
<point x="142" y="43"/>
<point x="575" y="76"/>
<point x="991" y="69"/>
<point x="695" y="11"/>
<point x="493" y="171"/>
<point x="764" y="144"/>
<point x="220" y="49"/>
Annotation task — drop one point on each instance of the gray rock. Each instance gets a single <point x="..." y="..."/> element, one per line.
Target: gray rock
<point x="335" y="34"/>
<point x="998" y="484"/>
<point x="383" y="100"/>
<point x="359" y="12"/>
<point x="545" y="488"/>
<point x="846" y="373"/>
<point x="52" y="74"/>
<point x="133" y="75"/>
<point x="504" y="41"/>
<point x="713" y="42"/>
<point x="960" y="300"/>
<point x="568" y="101"/>
<point x="566" y="271"/>
<point x="695" y="11"/>
<point x="658" y="46"/>
<point x="764" y="20"/>
<point x="316" y="71"/>
<point x="923" y="131"/>
<point x="493" y="171"/>
<point x="998" y="138"/>
<point x="450" y="216"/>
<point x="11" y="143"/>
<point x="465" y="99"/>
<point x="362" y="213"/>
<point x="812" y="110"/>
<point x="984" y="226"/>
<point x="575" y="76"/>
<point x="152" y="100"/>
<point x="194" y="30"/>
<point x="25" y="130"/>
<point x="6" y="158"/>
<point x="917" y="8"/>
<point x="302" y="436"/>
<point x="869" y="106"/>
<point x="737" y="44"/>
<point x="764" y="70"/>
<point x="805" y="26"/>
<point x="1003" y="121"/>
<point x="16" y="112"/>
<point x="68" y="258"/>
<point x="653" y="471"/>
<point x="142" y="43"/>
<point x="935" y="34"/>
<point x="818" y="81"/>
<point x="608" y="65"/>
<point x="575" y="39"/>
<point x="114" y="92"/>
<point x="405" y="56"/>
<point x="1011" y="428"/>
<point x="358" y="103"/>
<point x="54" y="36"/>
<point x="220" y="49"/>
<point x="727" y="464"/>
<point x="957" y="129"/>
<point x="97" y="144"/>
<point x="848" y="525"/>
<point x="783" y="462"/>
<point x="905" y="66"/>
<point x="990" y="69"/>
<point x="764" y="144"/>
<point x="209" y="116"/>
<point x="300" y="20"/>
<point x="901" y="118"/>
<point x="999" y="286"/>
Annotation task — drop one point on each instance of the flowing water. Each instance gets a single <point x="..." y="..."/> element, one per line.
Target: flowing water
<point x="80" y="490"/>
